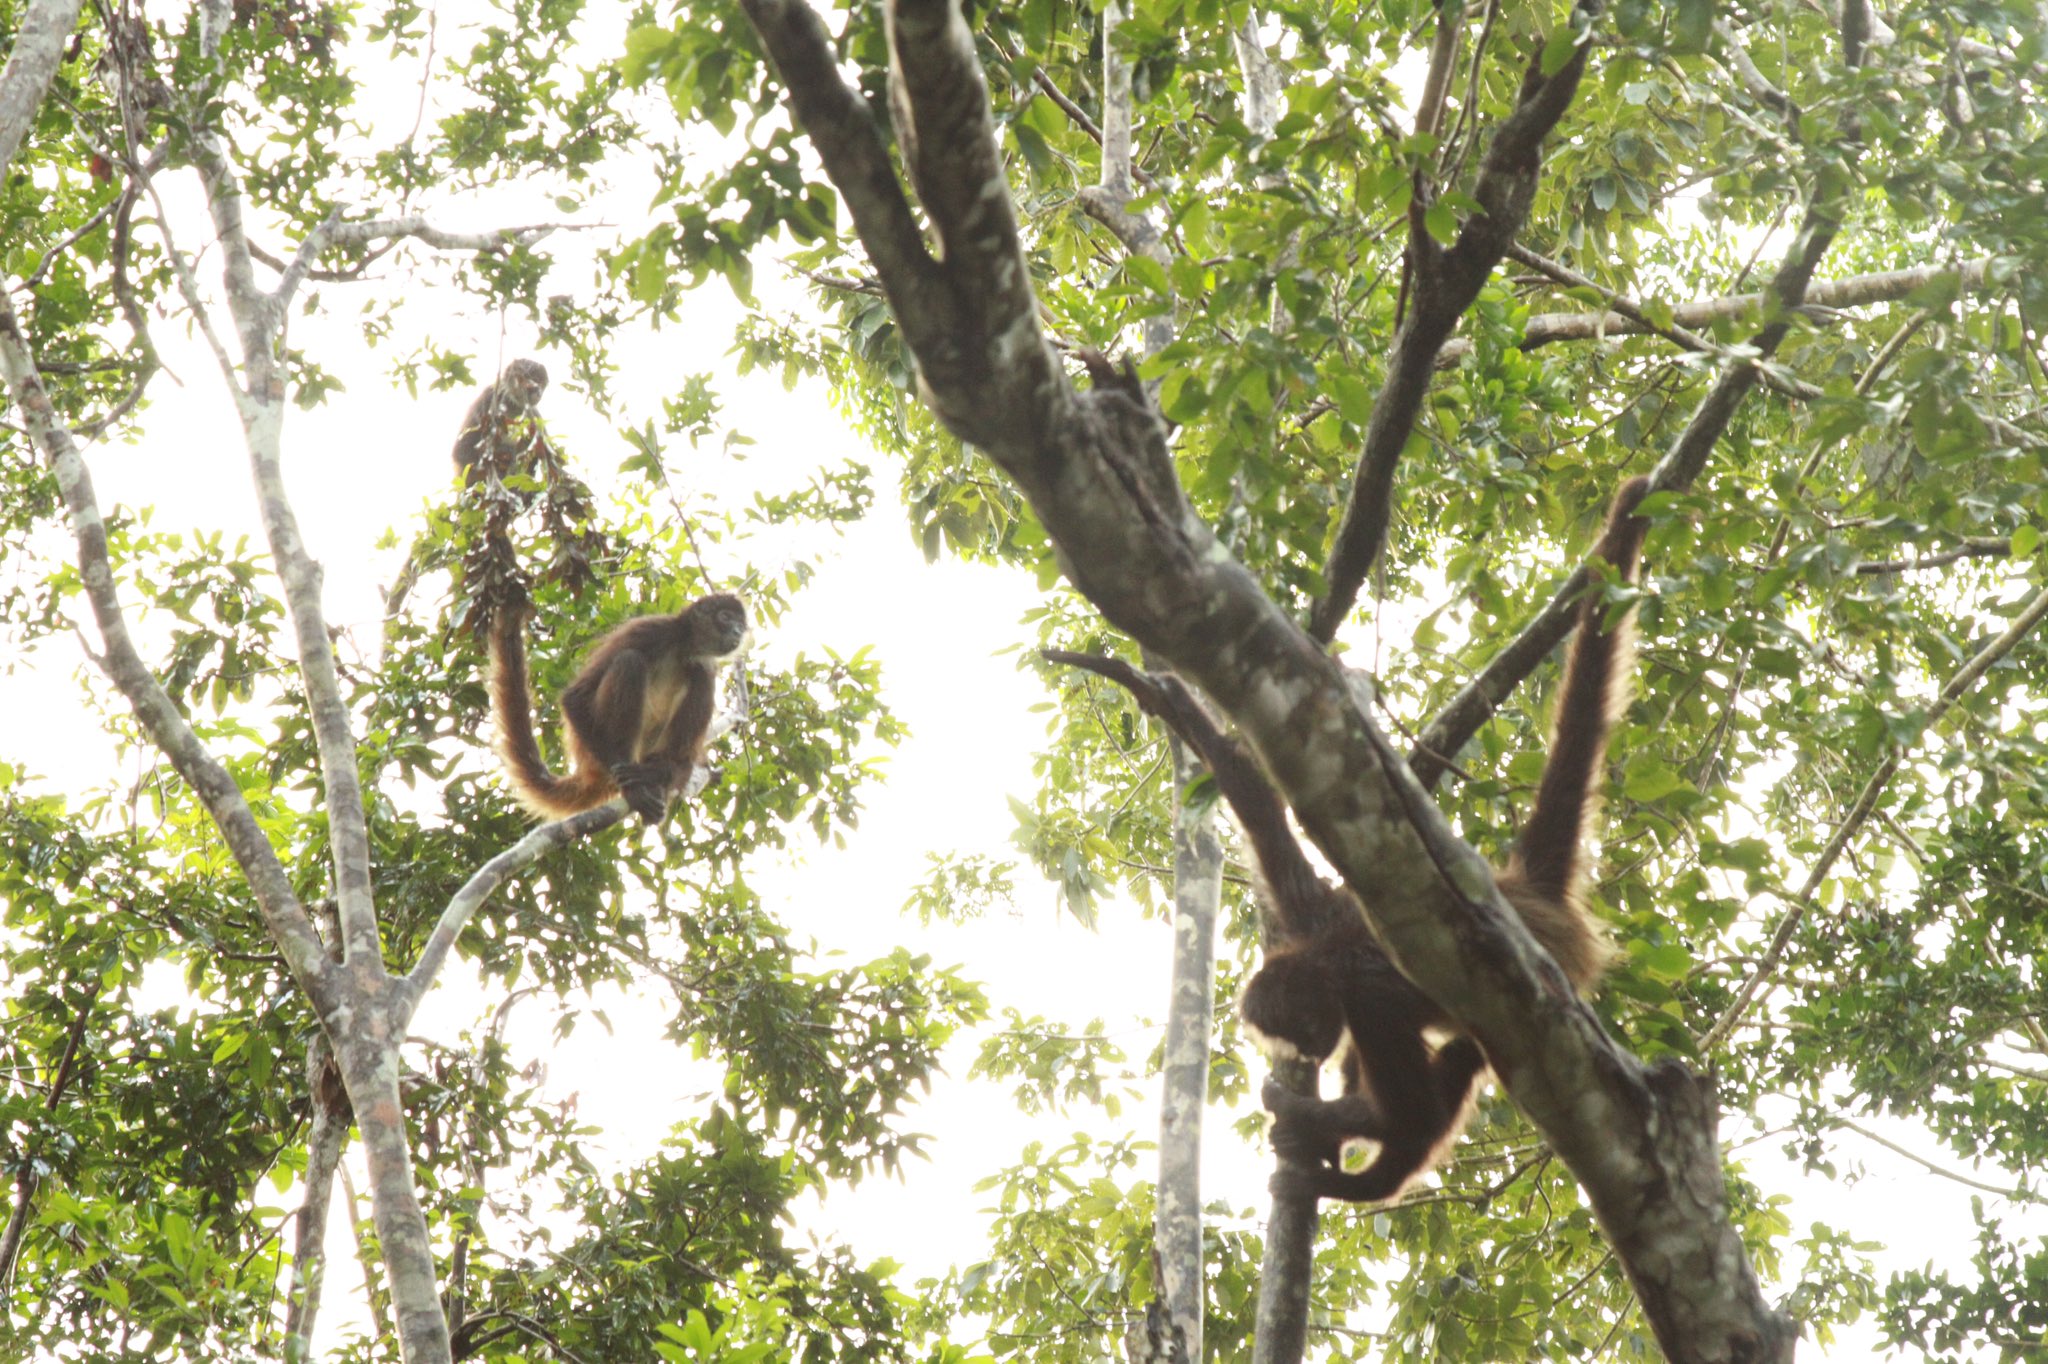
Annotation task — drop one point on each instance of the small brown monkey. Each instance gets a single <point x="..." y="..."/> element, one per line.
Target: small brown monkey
<point x="1330" y="989"/>
<point x="635" y="717"/>
<point x="513" y="397"/>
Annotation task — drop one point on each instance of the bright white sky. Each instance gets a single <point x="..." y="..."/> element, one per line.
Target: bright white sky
<point x="371" y="460"/>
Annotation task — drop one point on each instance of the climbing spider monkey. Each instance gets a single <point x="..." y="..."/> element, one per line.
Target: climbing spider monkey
<point x="1328" y="987"/>
<point x="636" y="716"/>
<point x="513" y="397"/>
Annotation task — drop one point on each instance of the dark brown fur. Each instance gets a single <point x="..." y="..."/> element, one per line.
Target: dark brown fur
<point x="635" y="717"/>
<point x="513" y="397"/>
<point x="1327" y="985"/>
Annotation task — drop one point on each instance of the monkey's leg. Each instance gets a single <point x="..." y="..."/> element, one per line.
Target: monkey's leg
<point x="606" y="717"/>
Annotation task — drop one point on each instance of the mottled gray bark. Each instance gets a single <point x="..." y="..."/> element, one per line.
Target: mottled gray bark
<point x="1287" y="1258"/>
<point x="1287" y="1267"/>
<point x="1172" y="1327"/>
<point x="327" y="1134"/>
<point x="31" y="63"/>
<point x="362" y="1008"/>
<point x="1184" y="1077"/>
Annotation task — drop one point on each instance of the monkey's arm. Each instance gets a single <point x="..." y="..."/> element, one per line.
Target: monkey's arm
<point x="474" y="438"/>
<point x="1261" y="814"/>
<point x="688" y="729"/>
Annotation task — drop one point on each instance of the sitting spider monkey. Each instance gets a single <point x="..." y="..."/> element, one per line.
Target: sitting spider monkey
<point x="1328" y="986"/>
<point x="636" y="716"/>
<point x="513" y="397"/>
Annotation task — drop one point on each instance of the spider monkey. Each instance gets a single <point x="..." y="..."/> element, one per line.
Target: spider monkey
<point x="512" y="397"/>
<point x="1328" y="986"/>
<point x="635" y="717"/>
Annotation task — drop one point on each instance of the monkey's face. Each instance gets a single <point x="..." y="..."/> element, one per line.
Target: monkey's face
<point x="1294" y="1007"/>
<point x="525" y="381"/>
<point x="721" y="620"/>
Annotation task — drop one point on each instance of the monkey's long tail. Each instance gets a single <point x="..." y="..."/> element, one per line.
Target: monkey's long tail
<point x="1261" y="815"/>
<point x="538" y="789"/>
<point x="1551" y="853"/>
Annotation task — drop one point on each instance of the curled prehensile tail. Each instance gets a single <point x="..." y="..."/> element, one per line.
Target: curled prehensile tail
<point x="538" y="789"/>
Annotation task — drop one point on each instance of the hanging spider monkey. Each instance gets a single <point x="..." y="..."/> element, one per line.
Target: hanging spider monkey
<point x="636" y="716"/>
<point x="512" y="397"/>
<point x="1327" y="985"/>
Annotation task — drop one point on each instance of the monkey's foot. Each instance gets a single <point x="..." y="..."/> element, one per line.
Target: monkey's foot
<point x="1304" y="1141"/>
<point x="646" y="789"/>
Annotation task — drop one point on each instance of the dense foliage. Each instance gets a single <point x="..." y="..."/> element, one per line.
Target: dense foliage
<point x="1872" y="519"/>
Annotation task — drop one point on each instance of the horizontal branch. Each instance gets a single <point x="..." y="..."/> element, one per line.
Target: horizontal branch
<point x="418" y="228"/>
<point x="1855" y="291"/>
<point x="1973" y="548"/>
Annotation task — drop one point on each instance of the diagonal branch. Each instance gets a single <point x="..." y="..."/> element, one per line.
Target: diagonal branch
<point x="856" y="155"/>
<point x="123" y="665"/>
<point x="1446" y="283"/>
<point x="1476" y="702"/>
<point x="1802" y="902"/>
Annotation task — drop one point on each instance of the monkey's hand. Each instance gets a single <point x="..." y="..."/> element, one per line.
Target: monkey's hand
<point x="646" y="789"/>
<point x="1315" y="1131"/>
<point x="1303" y="1139"/>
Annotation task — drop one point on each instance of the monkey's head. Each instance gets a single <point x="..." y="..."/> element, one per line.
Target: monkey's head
<point x="717" y="625"/>
<point x="1294" y="1007"/>
<point x="522" y="384"/>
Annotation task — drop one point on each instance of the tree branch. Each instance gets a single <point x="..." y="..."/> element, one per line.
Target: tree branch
<point x="123" y="665"/>
<point x="1866" y="802"/>
<point x="1753" y="78"/>
<point x="1446" y="282"/>
<point x="2019" y="1194"/>
<point x="856" y="157"/>
<point x="1855" y="291"/>
<point x="1096" y="469"/>
<point x="1476" y="702"/>
<point x="25" y="1179"/>
<point x="494" y="873"/>
<point x="1973" y="548"/>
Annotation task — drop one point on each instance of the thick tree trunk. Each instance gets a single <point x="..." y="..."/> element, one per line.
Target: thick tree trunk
<point x="1096" y="468"/>
<point x="370" y="1066"/>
